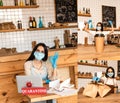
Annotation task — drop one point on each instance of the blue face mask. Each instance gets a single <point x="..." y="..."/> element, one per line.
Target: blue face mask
<point x="110" y="74"/>
<point x="39" y="55"/>
<point x="98" y="28"/>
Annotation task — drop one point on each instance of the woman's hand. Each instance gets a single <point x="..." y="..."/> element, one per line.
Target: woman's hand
<point x="53" y="60"/>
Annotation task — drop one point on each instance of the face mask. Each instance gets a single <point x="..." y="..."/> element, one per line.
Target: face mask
<point x="110" y="74"/>
<point x="98" y="28"/>
<point x="39" y="55"/>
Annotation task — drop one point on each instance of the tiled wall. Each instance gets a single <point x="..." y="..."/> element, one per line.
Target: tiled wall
<point x="22" y="40"/>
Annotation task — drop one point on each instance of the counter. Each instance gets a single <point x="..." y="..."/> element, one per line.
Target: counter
<point x="111" y="98"/>
<point x="111" y="52"/>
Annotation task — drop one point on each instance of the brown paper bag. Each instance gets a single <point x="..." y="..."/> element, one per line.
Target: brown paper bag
<point x="103" y="90"/>
<point x="91" y="90"/>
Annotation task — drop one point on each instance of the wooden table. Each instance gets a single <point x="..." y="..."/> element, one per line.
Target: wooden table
<point x="111" y="52"/>
<point x="60" y="99"/>
<point x="111" y="98"/>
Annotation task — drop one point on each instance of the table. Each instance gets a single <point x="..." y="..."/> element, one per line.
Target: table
<point x="60" y="99"/>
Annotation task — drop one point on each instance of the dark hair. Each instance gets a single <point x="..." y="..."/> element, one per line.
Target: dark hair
<point x="101" y="26"/>
<point x="32" y="57"/>
<point x="112" y="71"/>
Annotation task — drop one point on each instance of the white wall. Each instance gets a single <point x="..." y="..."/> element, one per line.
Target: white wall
<point x="96" y="14"/>
<point x="22" y="40"/>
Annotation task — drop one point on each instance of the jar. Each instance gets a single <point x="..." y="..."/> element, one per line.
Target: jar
<point x="116" y="89"/>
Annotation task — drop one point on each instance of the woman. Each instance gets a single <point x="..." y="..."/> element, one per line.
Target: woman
<point x="99" y="30"/>
<point x="109" y="78"/>
<point x="38" y="64"/>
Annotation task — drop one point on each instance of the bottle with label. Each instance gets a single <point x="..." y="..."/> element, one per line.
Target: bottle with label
<point x="34" y="24"/>
<point x="40" y="22"/>
<point x="1" y="3"/>
<point x="19" y="24"/>
<point x="30" y="22"/>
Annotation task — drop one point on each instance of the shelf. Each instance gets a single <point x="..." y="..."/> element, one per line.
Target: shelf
<point x="90" y="64"/>
<point x="12" y="30"/>
<point x="17" y="7"/>
<point x="107" y="29"/>
<point x="85" y="77"/>
<point x="49" y="28"/>
<point x="87" y="15"/>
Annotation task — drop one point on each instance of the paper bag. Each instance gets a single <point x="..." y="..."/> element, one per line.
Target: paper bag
<point x="103" y="90"/>
<point x="91" y="90"/>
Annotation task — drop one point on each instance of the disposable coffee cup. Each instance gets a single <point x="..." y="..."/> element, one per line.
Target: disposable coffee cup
<point x="99" y="43"/>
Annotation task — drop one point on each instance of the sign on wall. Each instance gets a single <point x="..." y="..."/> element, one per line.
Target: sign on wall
<point x="108" y="13"/>
<point x="66" y="11"/>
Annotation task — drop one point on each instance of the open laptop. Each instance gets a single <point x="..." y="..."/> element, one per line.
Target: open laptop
<point x="22" y="81"/>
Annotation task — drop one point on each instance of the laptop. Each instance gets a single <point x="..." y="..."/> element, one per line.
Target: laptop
<point x="25" y="81"/>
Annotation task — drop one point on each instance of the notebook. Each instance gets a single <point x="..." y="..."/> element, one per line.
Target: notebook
<point x="26" y="81"/>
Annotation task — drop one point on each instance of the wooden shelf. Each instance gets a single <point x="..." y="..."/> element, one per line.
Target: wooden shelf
<point x="12" y="30"/>
<point x="85" y="77"/>
<point x="86" y="15"/>
<point x="90" y="64"/>
<point x="17" y="7"/>
<point x="47" y="28"/>
<point x="107" y="29"/>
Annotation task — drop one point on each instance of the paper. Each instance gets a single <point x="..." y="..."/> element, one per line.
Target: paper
<point x="65" y="92"/>
<point x="56" y="85"/>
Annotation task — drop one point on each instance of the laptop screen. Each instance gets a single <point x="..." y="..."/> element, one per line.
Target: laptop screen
<point x="28" y="81"/>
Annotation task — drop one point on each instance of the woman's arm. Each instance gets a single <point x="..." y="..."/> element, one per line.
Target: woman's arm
<point x="86" y="29"/>
<point x="112" y="28"/>
<point x="52" y="73"/>
<point x="27" y="68"/>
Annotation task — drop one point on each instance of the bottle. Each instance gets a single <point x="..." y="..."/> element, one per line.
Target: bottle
<point x="34" y="24"/>
<point x="40" y="22"/>
<point x="31" y="2"/>
<point x="43" y="21"/>
<point x="21" y="3"/>
<point x="16" y="2"/>
<point x="30" y="22"/>
<point x="27" y="2"/>
<point x="34" y="2"/>
<point x="1" y="3"/>
<point x="19" y="24"/>
<point x="84" y="11"/>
